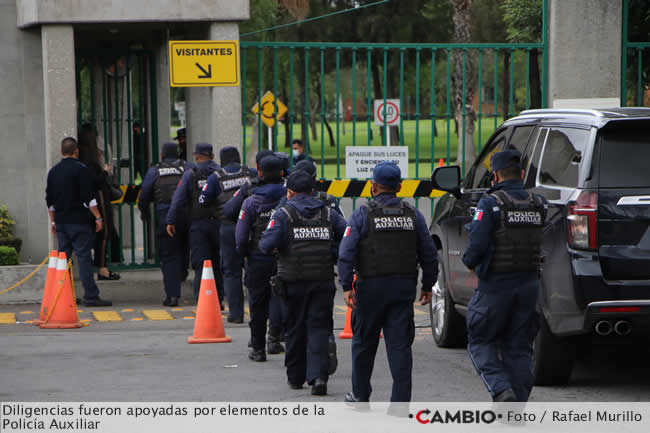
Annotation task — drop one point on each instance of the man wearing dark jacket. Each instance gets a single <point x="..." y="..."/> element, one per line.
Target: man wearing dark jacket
<point x="158" y="186"/>
<point x="204" y="222"/>
<point x="306" y="233"/>
<point x="384" y="243"/>
<point x="505" y="252"/>
<point x="72" y="208"/>
<point x="222" y="186"/>
<point x="254" y="216"/>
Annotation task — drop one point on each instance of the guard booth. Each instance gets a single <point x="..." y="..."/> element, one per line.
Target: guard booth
<point x="77" y="65"/>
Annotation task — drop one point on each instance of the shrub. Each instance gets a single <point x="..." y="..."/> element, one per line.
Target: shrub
<point x="8" y="256"/>
<point x="11" y="242"/>
<point x="6" y="223"/>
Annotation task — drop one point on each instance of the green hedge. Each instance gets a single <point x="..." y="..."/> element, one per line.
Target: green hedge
<point x="15" y="243"/>
<point x="8" y="256"/>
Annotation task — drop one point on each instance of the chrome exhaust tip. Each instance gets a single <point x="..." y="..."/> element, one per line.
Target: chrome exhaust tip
<point x="604" y="327"/>
<point x="623" y="327"/>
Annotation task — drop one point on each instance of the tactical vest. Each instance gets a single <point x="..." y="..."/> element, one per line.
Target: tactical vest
<point x="169" y="174"/>
<point x="214" y="210"/>
<point x="258" y="227"/>
<point x="391" y="245"/>
<point x="309" y="254"/>
<point x="518" y="239"/>
<point x="230" y="183"/>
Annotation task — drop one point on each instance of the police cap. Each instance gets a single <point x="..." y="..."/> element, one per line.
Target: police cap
<point x="506" y="159"/>
<point x="300" y="181"/>
<point x="306" y="166"/>
<point x="387" y="173"/>
<point x="203" y="149"/>
<point x="170" y="150"/>
<point x="263" y="154"/>
<point x="228" y="155"/>
<point x="271" y="164"/>
<point x="181" y="132"/>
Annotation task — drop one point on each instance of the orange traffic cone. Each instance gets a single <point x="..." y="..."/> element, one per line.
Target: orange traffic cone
<point x="48" y="291"/>
<point x="63" y="311"/>
<point x="208" y="326"/>
<point x="347" y="330"/>
<point x="441" y="163"/>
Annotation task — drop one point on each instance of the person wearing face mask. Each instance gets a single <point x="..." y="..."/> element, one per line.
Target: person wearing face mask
<point x="299" y="152"/>
<point x="383" y="244"/>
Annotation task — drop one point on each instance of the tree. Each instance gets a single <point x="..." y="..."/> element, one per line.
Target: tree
<point x="523" y="20"/>
<point x="464" y="62"/>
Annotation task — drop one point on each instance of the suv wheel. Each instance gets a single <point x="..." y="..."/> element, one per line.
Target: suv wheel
<point x="552" y="358"/>
<point x="447" y="325"/>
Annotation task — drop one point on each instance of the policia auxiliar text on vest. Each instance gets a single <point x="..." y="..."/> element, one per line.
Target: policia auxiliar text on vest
<point x="169" y="174"/>
<point x="390" y="247"/>
<point x="229" y="183"/>
<point x="309" y="255"/>
<point x="518" y="238"/>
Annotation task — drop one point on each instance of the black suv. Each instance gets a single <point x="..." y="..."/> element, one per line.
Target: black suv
<point x="593" y="167"/>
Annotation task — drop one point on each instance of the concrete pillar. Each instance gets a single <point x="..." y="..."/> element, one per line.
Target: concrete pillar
<point x="584" y="53"/>
<point x="226" y="101"/>
<point x="60" y="94"/>
<point x="59" y="90"/>
<point x="214" y="113"/>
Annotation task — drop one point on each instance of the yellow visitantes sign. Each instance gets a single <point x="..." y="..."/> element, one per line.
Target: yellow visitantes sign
<point x="268" y="103"/>
<point x="203" y="63"/>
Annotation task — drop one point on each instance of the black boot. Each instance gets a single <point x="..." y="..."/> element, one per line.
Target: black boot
<point x="273" y="345"/>
<point x="257" y="355"/>
<point x="319" y="387"/>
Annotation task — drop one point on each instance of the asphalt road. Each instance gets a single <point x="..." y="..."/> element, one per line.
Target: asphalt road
<point x="150" y="360"/>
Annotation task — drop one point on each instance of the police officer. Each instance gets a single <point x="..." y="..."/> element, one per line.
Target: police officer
<point x="158" y="186"/>
<point x="254" y="216"/>
<point x="306" y="233"/>
<point x="505" y="251"/>
<point x="232" y="207"/>
<point x="204" y="221"/>
<point x="221" y="187"/>
<point x="383" y="243"/>
<point x="328" y="200"/>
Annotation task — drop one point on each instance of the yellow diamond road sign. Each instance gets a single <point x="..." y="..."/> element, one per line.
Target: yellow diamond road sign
<point x="268" y="108"/>
<point x="203" y="63"/>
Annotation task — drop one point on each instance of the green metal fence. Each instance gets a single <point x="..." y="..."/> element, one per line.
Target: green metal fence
<point x="634" y="79"/>
<point x="115" y="93"/>
<point x="329" y="90"/>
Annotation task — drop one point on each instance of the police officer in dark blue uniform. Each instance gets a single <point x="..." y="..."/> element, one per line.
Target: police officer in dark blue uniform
<point x="221" y="187"/>
<point x="204" y="221"/>
<point x="505" y="252"/>
<point x="253" y="219"/>
<point x="306" y="234"/>
<point x="232" y="207"/>
<point x="384" y="242"/>
<point x="328" y="200"/>
<point x="158" y="186"/>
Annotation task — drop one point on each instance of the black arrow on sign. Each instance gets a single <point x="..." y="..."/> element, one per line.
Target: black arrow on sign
<point x="206" y="74"/>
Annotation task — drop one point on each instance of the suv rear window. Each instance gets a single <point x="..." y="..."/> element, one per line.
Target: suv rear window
<point x="624" y="157"/>
<point x="562" y="156"/>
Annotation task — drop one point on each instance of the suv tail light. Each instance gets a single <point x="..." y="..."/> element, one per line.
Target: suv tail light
<point x="582" y="221"/>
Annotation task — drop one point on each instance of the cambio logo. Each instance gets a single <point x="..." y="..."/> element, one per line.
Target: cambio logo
<point x="426" y="416"/>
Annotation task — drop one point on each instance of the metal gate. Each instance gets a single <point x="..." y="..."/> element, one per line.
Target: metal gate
<point x="329" y="90"/>
<point x="116" y="91"/>
<point x="633" y="84"/>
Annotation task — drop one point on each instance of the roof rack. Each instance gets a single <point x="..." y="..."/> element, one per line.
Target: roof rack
<point x="586" y="112"/>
